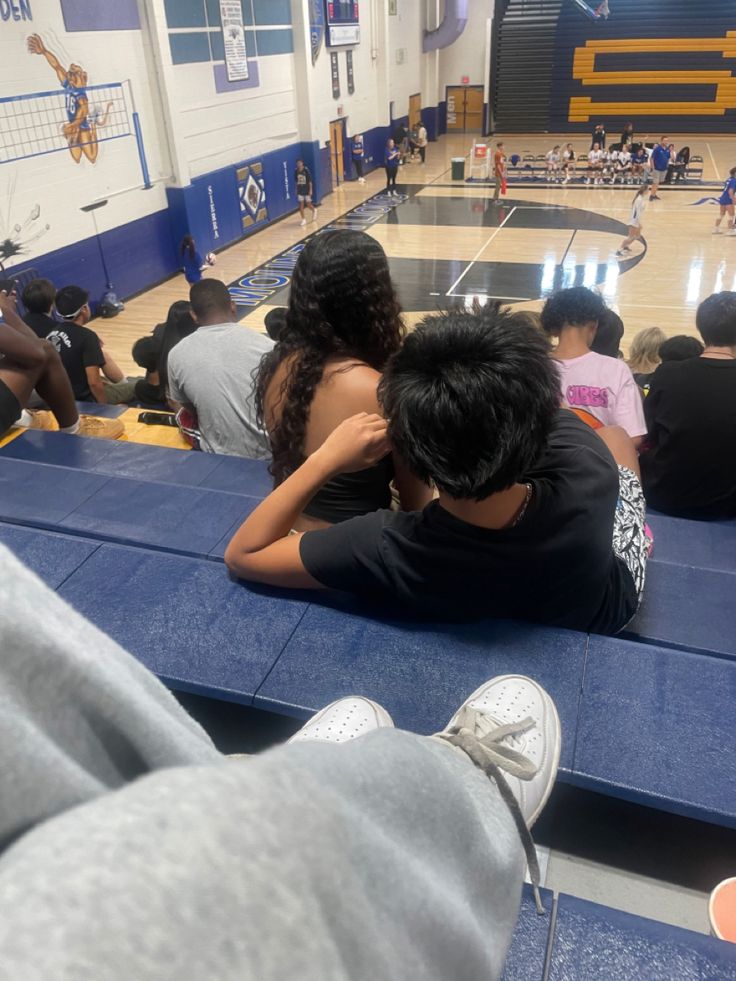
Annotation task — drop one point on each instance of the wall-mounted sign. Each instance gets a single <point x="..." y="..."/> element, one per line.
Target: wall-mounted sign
<point x="335" y="71"/>
<point x="316" y="27"/>
<point x="465" y="80"/>
<point x="351" y="79"/>
<point x="233" y="36"/>
<point x="343" y="22"/>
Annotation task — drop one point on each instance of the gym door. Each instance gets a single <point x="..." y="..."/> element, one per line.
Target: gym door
<point x="337" y="150"/>
<point x="415" y="111"/>
<point x="465" y="108"/>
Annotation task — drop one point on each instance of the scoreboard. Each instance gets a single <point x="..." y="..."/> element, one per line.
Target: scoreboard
<point x="343" y="22"/>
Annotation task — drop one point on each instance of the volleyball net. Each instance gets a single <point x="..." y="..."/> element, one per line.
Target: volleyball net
<point x="33" y="125"/>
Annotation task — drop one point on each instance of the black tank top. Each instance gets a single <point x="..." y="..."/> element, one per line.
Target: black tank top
<point x="351" y="494"/>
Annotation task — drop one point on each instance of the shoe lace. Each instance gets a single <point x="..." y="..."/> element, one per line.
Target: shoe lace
<point x="481" y="738"/>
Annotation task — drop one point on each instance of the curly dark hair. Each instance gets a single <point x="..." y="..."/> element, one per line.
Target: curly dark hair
<point x="342" y="303"/>
<point x="576" y="307"/>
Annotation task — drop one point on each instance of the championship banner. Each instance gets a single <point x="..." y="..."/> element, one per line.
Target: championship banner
<point x="335" y="71"/>
<point x="316" y="27"/>
<point x="252" y="195"/>
<point x="233" y="36"/>
<point x="351" y="79"/>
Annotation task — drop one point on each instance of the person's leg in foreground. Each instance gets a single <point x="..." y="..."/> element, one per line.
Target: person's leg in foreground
<point x="133" y="849"/>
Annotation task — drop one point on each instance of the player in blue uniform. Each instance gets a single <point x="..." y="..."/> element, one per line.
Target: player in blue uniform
<point x="81" y="126"/>
<point x="726" y="201"/>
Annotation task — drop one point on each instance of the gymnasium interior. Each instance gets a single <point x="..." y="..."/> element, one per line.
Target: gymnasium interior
<point x="197" y="112"/>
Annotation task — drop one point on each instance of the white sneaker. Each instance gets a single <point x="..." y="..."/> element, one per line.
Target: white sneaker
<point x="303" y="222"/>
<point x="361" y="180"/>
<point x="718" y="231"/>
<point x="314" y="214"/>
<point x="343" y="720"/>
<point x="516" y="723"/>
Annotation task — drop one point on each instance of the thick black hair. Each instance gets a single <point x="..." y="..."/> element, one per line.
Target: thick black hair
<point x="179" y="324"/>
<point x="573" y="307"/>
<point x="39" y="296"/>
<point x="342" y="304"/>
<point x="210" y="298"/>
<point x="607" y="338"/>
<point x="716" y="319"/>
<point x="681" y="347"/>
<point x="274" y="322"/>
<point x="188" y="246"/>
<point x="70" y="300"/>
<point x="470" y="401"/>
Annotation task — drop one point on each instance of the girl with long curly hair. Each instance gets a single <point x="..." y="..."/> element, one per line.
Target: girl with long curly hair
<point x="342" y="325"/>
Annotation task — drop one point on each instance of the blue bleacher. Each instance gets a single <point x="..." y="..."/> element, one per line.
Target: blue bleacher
<point x="646" y="717"/>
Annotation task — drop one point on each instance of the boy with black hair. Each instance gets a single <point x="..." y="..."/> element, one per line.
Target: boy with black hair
<point x="598" y="385"/>
<point x="26" y="364"/>
<point x="534" y="519"/>
<point x="304" y="191"/>
<point x="94" y="377"/>
<point x="690" y="470"/>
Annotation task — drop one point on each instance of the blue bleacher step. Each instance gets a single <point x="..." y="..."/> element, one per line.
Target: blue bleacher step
<point x="701" y="544"/>
<point x="596" y="943"/>
<point x="119" y="458"/>
<point x="656" y="727"/>
<point x="198" y="630"/>
<point x="51" y="556"/>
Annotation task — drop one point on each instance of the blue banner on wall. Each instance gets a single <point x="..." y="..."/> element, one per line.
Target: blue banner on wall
<point x="316" y="27"/>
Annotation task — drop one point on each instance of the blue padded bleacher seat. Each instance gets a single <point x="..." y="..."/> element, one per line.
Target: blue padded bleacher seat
<point x="240" y="476"/>
<point x="185" y="619"/>
<point x="179" y="519"/>
<point x="656" y="727"/>
<point x="420" y="672"/>
<point x="52" y="557"/>
<point x="687" y="607"/>
<point x="594" y="942"/>
<point x="528" y="952"/>
<point x="702" y="544"/>
<point x="118" y="458"/>
<point x="43" y="496"/>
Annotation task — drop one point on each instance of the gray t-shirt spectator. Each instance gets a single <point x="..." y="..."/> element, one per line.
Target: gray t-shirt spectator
<point x="212" y="370"/>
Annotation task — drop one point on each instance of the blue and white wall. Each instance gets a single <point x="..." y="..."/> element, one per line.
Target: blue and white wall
<point x="220" y="156"/>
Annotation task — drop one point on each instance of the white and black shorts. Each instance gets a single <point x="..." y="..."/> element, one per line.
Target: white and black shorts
<point x="631" y="540"/>
<point x="304" y="198"/>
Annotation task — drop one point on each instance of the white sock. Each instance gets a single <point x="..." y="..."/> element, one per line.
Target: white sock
<point x="25" y="419"/>
<point x="70" y="429"/>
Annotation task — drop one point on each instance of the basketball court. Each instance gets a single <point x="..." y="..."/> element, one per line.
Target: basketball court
<point x="448" y="242"/>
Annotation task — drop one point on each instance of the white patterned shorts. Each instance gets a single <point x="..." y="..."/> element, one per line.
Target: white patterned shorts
<point x="631" y="543"/>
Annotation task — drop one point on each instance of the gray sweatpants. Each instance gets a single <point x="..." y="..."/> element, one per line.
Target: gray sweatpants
<point x="131" y="849"/>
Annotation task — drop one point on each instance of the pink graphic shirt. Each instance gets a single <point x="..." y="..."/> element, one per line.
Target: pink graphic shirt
<point x="604" y="387"/>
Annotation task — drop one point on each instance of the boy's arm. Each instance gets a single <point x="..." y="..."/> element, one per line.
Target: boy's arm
<point x="262" y="550"/>
<point x="18" y="343"/>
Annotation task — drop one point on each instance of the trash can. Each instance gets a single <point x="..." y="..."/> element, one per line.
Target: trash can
<point x="458" y="168"/>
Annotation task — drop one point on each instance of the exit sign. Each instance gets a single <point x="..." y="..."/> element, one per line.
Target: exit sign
<point x="465" y="80"/>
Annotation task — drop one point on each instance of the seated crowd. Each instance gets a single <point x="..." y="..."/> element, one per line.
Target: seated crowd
<point x="488" y="463"/>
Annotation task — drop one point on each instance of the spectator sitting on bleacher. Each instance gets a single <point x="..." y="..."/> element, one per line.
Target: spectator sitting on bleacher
<point x="607" y="338"/>
<point x="93" y="374"/>
<point x="133" y="850"/>
<point x="210" y="374"/>
<point x="681" y="347"/>
<point x="152" y="353"/>
<point x="690" y="470"/>
<point x="601" y="386"/>
<point x="28" y="363"/>
<point x="342" y="325"/>
<point x="534" y="519"/>
<point x="644" y="354"/>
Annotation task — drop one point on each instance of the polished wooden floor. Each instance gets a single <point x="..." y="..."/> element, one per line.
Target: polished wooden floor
<point x="449" y="227"/>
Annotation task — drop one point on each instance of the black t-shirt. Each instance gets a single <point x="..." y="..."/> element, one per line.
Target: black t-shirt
<point x="303" y="182"/>
<point x="78" y="347"/>
<point x="691" y="417"/>
<point x="556" y="566"/>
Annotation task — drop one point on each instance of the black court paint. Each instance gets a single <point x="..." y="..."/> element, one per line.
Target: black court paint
<point x="426" y="285"/>
<point x="258" y="286"/>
